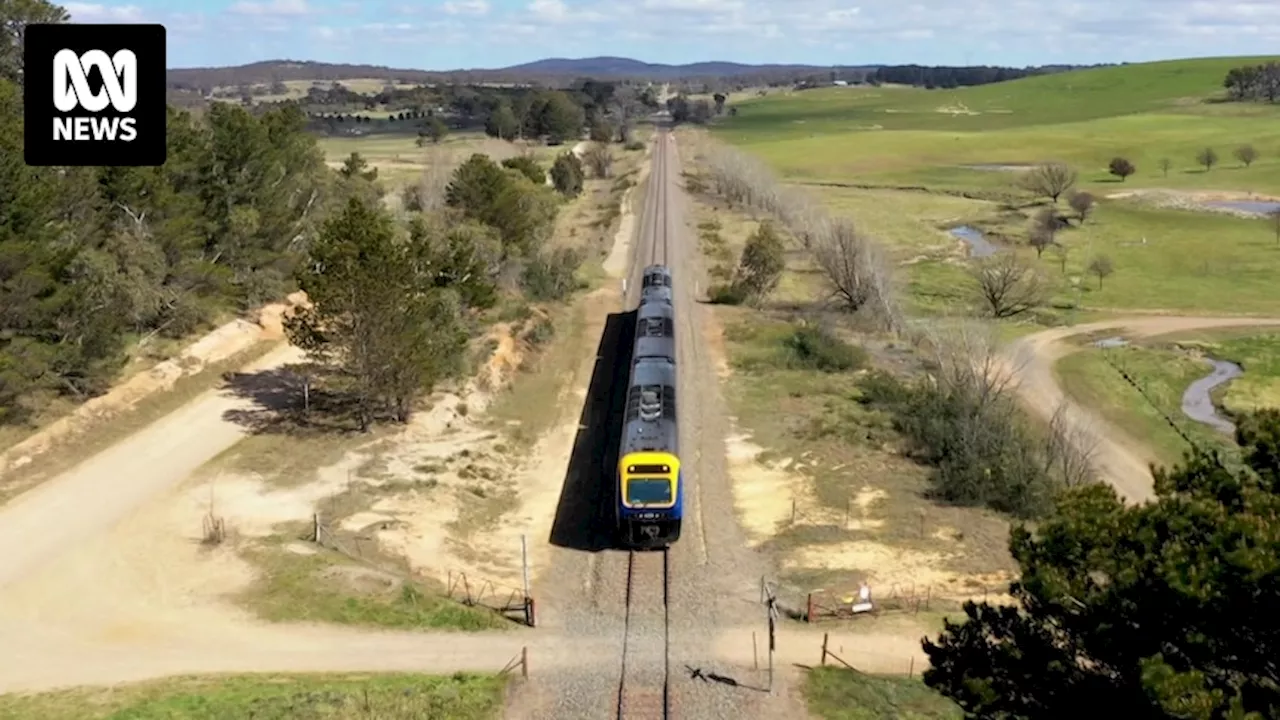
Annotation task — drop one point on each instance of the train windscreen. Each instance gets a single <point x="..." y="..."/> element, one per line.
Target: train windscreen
<point x="649" y="491"/>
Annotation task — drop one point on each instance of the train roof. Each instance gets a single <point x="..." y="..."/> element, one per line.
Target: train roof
<point x="655" y="310"/>
<point x="651" y="409"/>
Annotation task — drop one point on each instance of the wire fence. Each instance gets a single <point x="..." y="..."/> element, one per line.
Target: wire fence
<point x="855" y="600"/>
<point x="827" y="654"/>
<point x="512" y="603"/>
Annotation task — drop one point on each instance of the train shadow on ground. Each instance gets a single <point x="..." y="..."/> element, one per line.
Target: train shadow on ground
<point x="584" y="516"/>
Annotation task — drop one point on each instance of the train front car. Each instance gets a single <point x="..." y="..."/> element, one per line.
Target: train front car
<point x="656" y="285"/>
<point x="650" y="484"/>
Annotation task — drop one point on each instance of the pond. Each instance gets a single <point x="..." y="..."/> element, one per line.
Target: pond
<point x="978" y="244"/>
<point x="1250" y="206"/>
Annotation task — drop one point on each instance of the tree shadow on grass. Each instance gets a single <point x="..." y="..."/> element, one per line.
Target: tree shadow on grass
<point x="283" y="404"/>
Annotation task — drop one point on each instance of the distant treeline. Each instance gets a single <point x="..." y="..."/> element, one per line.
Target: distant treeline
<point x="1254" y="82"/>
<point x="953" y="77"/>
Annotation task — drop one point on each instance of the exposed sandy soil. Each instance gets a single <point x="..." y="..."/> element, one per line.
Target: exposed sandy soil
<point x="1121" y="459"/>
<point x="221" y="344"/>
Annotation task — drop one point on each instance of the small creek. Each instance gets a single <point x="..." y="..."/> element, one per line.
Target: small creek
<point x="1256" y="207"/>
<point x="1196" y="403"/>
<point x="979" y="245"/>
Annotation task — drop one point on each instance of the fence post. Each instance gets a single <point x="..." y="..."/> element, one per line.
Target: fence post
<point x="824" y="648"/>
<point x="808" y="608"/>
<point x="911" y="669"/>
<point x="755" y="656"/>
<point x="524" y="562"/>
<point x="315" y="528"/>
<point x="530" y="612"/>
<point x="524" y="662"/>
<point x="793" y="511"/>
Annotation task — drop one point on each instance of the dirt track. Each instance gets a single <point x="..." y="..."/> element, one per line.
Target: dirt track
<point x="1122" y="459"/>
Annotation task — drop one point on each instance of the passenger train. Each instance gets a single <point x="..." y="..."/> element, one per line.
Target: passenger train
<point x="650" y="503"/>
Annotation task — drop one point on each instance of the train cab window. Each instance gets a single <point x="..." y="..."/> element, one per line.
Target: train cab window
<point x="656" y="279"/>
<point x="648" y="491"/>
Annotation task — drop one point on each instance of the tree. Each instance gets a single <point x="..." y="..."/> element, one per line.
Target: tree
<point x="1207" y="157"/>
<point x="601" y="131"/>
<point x="385" y="325"/>
<point x="558" y="117"/>
<point x="567" y="174"/>
<point x="1007" y="286"/>
<point x="1246" y="154"/>
<point x="1044" y="230"/>
<point x="719" y="99"/>
<point x="1165" y="164"/>
<point x="1159" y="610"/>
<point x="15" y="16"/>
<point x="599" y="159"/>
<point x="1061" y="254"/>
<point x="436" y="129"/>
<point x="1082" y="202"/>
<point x="1121" y="168"/>
<point x="1274" y="216"/>
<point x="1100" y="267"/>
<point x="1050" y="180"/>
<point x="855" y="271"/>
<point x="763" y="260"/>
<point x="502" y="123"/>
<point x="526" y="165"/>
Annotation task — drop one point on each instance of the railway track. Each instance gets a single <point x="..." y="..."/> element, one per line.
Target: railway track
<point x="644" y="688"/>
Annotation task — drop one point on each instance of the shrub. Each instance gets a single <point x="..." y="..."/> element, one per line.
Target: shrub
<point x="528" y="167"/>
<point x="551" y="275"/>
<point x="727" y="294"/>
<point x="633" y="145"/>
<point x="813" y="347"/>
<point x="567" y="174"/>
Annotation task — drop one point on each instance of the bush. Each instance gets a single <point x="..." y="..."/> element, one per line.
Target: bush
<point x="551" y="275"/>
<point x="727" y="294"/>
<point x="633" y="145"/>
<point x="813" y="347"/>
<point x="568" y="175"/>
<point x="540" y="332"/>
<point x="528" y="167"/>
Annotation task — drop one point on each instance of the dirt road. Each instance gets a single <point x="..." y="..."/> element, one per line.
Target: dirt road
<point x="1122" y="460"/>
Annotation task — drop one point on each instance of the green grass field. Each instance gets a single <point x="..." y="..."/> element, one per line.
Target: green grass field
<point x="893" y="138"/>
<point x="1166" y="366"/>
<point x="275" y="697"/>
<point x="836" y="693"/>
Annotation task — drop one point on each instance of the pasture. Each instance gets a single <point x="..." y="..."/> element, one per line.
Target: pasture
<point x="1165" y="367"/>
<point x="909" y="164"/>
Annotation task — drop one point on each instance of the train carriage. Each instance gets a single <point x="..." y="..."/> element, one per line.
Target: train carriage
<point x="650" y="503"/>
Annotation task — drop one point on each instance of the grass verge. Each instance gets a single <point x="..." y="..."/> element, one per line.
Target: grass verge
<point x="460" y="696"/>
<point x="329" y="587"/>
<point x="835" y="693"/>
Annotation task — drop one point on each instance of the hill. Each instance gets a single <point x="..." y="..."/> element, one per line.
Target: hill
<point x="547" y="71"/>
<point x="1174" y="86"/>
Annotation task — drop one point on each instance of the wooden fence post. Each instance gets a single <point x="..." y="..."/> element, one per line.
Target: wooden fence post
<point x="911" y="669"/>
<point x="755" y="656"/>
<point x="824" y="648"/>
<point x="530" y="612"/>
<point x="524" y="662"/>
<point x="808" y="609"/>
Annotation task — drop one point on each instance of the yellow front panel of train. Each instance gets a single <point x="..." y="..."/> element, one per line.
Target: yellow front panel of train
<point x="638" y="471"/>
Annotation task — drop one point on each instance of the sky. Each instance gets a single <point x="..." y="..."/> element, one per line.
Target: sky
<point x="454" y="34"/>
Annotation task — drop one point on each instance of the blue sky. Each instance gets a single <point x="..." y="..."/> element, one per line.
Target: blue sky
<point x="449" y="34"/>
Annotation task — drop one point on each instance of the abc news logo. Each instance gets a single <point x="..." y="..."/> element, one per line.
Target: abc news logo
<point x="94" y="95"/>
<point x="71" y="91"/>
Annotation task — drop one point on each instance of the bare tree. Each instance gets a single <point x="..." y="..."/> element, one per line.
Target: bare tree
<point x="1061" y="254"/>
<point x="1008" y="286"/>
<point x="1101" y="266"/>
<point x="1207" y="157"/>
<point x="1083" y="203"/>
<point x="1070" y="448"/>
<point x="1044" y="230"/>
<point x="1050" y="180"/>
<point x="1274" y="215"/>
<point x="599" y="159"/>
<point x="966" y="357"/>
<point x="856" y="272"/>
<point x="1165" y="164"/>
<point x="1246" y="154"/>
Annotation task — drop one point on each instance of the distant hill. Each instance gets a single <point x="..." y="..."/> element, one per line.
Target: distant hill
<point x="602" y="67"/>
<point x="550" y="70"/>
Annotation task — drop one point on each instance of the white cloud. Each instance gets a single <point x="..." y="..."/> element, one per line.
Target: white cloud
<point x="274" y="7"/>
<point x="92" y="13"/>
<point x="466" y="7"/>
